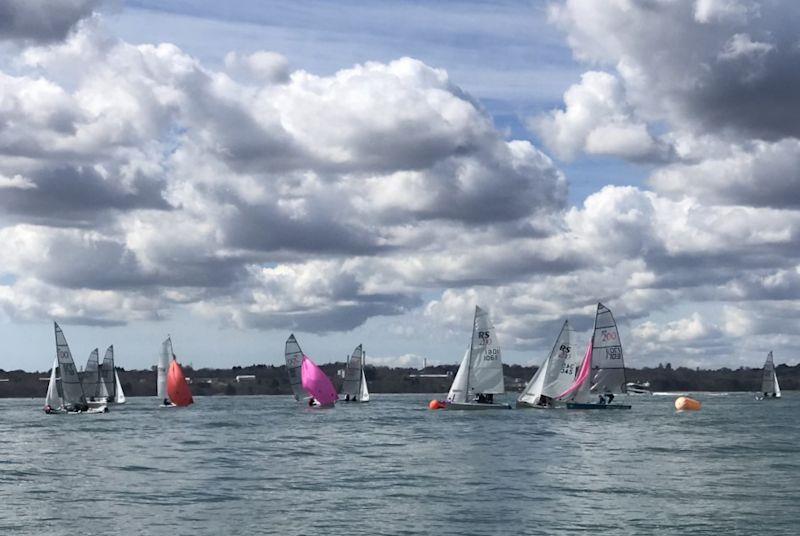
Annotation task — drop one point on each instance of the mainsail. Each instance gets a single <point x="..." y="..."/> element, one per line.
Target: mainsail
<point x="294" y="365"/>
<point x="769" y="380"/>
<point x="316" y="383"/>
<point x="556" y="374"/>
<point x="107" y="382"/>
<point x="352" y="373"/>
<point x="607" y="363"/>
<point x="485" y="364"/>
<point x="71" y="388"/>
<point x="162" y="366"/>
<point x="91" y="375"/>
<point x="579" y="391"/>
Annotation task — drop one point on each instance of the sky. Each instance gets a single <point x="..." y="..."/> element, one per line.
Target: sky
<point x="368" y="172"/>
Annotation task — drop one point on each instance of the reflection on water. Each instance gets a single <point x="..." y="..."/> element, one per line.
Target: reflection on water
<point x="265" y="465"/>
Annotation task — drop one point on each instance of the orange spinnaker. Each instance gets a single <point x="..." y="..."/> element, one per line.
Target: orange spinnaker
<point x="177" y="388"/>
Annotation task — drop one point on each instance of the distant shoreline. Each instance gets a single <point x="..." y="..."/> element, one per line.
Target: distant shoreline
<point x="273" y="380"/>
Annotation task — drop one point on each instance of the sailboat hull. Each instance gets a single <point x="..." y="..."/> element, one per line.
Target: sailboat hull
<point x="572" y="405"/>
<point x="525" y="405"/>
<point x="474" y="406"/>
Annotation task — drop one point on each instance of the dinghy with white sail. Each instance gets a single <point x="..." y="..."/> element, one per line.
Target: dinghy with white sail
<point x="480" y="375"/>
<point x="354" y="387"/>
<point x="554" y="376"/>
<point x="601" y="375"/>
<point x="769" y="380"/>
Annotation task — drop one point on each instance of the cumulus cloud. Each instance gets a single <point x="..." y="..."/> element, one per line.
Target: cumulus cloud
<point x="598" y="120"/>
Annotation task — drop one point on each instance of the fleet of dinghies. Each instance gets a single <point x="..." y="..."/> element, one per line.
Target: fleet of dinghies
<point x="65" y="388"/>
<point x="562" y="381"/>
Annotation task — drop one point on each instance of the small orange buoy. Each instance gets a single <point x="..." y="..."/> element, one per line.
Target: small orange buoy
<point x="684" y="403"/>
<point x="435" y="404"/>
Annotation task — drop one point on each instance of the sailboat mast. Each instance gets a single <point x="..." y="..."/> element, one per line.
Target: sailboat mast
<point x="469" y="361"/>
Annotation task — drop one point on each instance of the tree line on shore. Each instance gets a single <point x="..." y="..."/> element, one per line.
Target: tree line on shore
<point x="273" y="380"/>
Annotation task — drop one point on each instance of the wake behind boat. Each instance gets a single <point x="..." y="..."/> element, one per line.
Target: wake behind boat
<point x="480" y="375"/>
<point x="602" y="371"/>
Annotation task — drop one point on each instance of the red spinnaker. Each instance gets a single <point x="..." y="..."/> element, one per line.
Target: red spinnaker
<point x="177" y="388"/>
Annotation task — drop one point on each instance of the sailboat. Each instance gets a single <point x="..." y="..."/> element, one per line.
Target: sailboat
<point x="769" y="380"/>
<point x="90" y="377"/>
<point x="65" y="393"/>
<point x="602" y="371"/>
<point x="480" y="375"/>
<point x="554" y="376"/>
<point x="306" y="378"/>
<point x="171" y="386"/>
<point x="354" y="386"/>
<point x="294" y="366"/>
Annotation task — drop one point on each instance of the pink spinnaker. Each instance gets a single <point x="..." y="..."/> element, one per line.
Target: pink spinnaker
<point x="317" y="383"/>
<point x="583" y="375"/>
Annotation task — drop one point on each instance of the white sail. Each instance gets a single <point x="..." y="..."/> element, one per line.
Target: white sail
<point x="294" y="366"/>
<point x="608" y="366"/>
<point x="71" y="388"/>
<point x="52" y="397"/>
<point x="458" y="390"/>
<point x="120" y="394"/>
<point x="485" y="364"/>
<point x="352" y="373"/>
<point x="556" y="374"/>
<point x="363" y="395"/>
<point x="769" y="380"/>
<point x="163" y="365"/>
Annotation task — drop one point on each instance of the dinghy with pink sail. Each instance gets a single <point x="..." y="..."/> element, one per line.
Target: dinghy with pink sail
<point x="317" y="384"/>
<point x="601" y="375"/>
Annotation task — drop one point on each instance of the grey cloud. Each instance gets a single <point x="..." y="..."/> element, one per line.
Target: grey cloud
<point x="42" y="20"/>
<point x="79" y="196"/>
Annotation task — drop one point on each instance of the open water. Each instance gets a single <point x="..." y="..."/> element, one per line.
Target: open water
<point x="264" y="465"/>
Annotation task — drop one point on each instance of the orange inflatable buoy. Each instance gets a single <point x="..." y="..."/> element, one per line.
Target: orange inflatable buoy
<point x="684" y="403"/>
<point x="435" y="404"/>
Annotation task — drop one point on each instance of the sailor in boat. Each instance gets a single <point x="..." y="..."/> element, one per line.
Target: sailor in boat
<point x="166" y="402"/>
<point x="601" y="400"/>
<point x="610" y="397"/>
<point x="347" y="398"/>
<point x="311" y="401"/>
<point x="355" y="398"/>
<point x="48" y="409"/>
<point x="481" y="398"/>
<point x="544" y="401"/>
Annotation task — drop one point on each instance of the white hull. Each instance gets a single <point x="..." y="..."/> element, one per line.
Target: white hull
<point x="475" y="406"/>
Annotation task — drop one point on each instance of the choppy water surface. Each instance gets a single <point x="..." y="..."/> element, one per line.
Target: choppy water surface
<point x="263" y="465"/>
